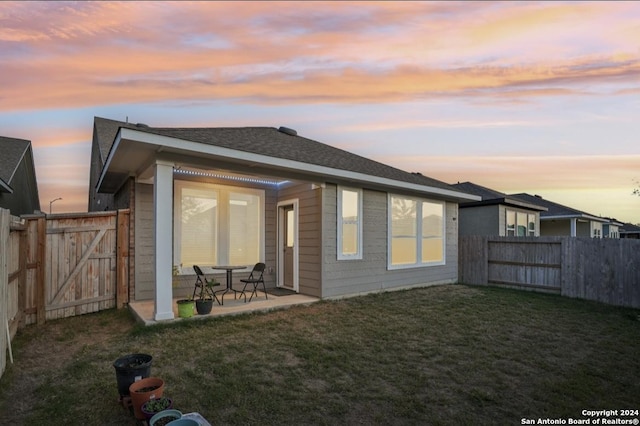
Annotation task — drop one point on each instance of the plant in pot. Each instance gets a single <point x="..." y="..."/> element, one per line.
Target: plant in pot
<point x="155" y="405"/>
<point x="185" y="306"/>
<point x="204" y="302"/>
<point x="165" y="417"/>
<point x="142" y="391"/>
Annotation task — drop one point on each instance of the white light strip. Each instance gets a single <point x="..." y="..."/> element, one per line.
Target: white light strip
<point x="227" y="177"/>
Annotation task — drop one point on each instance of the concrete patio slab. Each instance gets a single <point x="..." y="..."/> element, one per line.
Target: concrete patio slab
<point x="143" y="310"/>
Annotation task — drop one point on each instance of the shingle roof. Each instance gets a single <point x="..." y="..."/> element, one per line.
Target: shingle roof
<point x="13" y="150"/>
<point x="493" y="197"/>
<point x="106" y="131"/>
<point x="481" y="191"/>
<point x="269" y="141"/>
<point x="554" y="209"/>
<point x="629" y="228"/>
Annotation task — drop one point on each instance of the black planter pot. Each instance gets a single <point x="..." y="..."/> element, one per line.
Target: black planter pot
<point x="204" y="306"/>
<point x="131" y="368"/>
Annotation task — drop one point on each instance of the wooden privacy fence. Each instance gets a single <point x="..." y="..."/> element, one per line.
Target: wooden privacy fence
<point x="605" y="270"/>
<point x="62" y="265"/>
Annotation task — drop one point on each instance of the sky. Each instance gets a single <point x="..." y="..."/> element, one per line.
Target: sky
<point x="535" y="97"/>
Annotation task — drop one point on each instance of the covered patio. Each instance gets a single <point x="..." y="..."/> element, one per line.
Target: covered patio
<point x="143" y="310"/>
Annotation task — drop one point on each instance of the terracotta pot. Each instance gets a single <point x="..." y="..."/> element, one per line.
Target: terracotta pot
<point x="142" y="391"/>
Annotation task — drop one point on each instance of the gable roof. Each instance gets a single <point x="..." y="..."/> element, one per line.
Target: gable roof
<point x="557" y="211"/>
<point x="13" y="151"/>
<point x="262" y="146"/>
<point x="493" y="197"/>
<point x="629" y="228"/>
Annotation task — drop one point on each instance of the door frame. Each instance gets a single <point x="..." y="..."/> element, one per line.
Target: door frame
<point x="295" y="203"/>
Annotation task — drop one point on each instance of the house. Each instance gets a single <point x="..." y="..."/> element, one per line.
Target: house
<point x="497" y="213"/>
<point x="562" y="220"/>
<point x="628" y="230"/>
<point x="327" y="223"/>
<point x="18" y="184"/>
<point x="611" y="229"/>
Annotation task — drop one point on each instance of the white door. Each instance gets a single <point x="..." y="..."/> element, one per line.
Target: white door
<point x="288" y="244"/>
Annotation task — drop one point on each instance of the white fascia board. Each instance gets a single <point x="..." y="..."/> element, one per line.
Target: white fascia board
<point x="574" y="216"/>
<point x="197" y="147"/>
<point x="112" y="152"/>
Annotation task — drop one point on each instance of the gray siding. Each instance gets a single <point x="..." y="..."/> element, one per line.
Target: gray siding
<point x="144" y="243"/>
<point x="555" y="228"/>
<point x="481" y="220"/>
<point x="309" y="235"/>
<point x="370" y="274"/>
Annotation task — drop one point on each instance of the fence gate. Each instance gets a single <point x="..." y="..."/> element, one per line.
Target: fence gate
<point x="76" y="264"/>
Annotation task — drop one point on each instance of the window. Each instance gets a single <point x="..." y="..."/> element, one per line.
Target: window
<point x="216" y="224"/>
<point x="520" y="224"/>
<point x="349" y="223"/>
<point x="511" y="223"/>
<point x="532" y="225"/>
<point x="416" y="232"/>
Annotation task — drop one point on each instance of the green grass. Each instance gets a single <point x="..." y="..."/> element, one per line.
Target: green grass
<point x="438" y="355"/>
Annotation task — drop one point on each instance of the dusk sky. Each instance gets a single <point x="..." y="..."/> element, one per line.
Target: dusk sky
<point x="536" y="97"/>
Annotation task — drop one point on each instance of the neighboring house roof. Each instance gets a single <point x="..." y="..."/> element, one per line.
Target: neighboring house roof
<point x="492" y="197"/>
<point x="629" y="228"/>
<point x="260" y="147"/>
<point x="557" y="211"/>
<point x="13" y="151"/>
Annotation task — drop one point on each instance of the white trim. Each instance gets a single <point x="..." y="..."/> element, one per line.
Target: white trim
<point x="358" y="254"/>
<point x="573" y="216"/>
<point x="107" y="163"/>
<point x="222" y="221"/>
<point x="281" y="235"/>
<point x="163" y="220"/>
<point x="418" y="239"/>
<point x="201" y="148"/>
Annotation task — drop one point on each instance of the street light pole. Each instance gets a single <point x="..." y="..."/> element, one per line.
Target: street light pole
<point x="51" y="202"/>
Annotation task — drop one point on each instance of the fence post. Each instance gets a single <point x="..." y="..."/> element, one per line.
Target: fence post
<point x="4" y="284"/>
<point x="41" y="294"/>
<point x="22" y="279"/>
<point x="122" y="258"/>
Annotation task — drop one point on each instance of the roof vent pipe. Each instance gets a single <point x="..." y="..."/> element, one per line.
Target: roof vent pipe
<point x="287" y="131"/>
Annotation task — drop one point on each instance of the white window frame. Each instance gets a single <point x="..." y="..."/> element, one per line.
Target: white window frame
<point x="340" y="222"/>
<point x="223" y="221"/>
<point x="419" y="233"/>
<point x="513" y="232"/>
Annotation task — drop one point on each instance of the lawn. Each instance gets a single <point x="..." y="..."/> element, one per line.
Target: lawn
<point x="439" y="355"/>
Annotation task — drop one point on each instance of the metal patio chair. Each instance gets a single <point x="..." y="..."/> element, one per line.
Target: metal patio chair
<point x="255" y="278"/>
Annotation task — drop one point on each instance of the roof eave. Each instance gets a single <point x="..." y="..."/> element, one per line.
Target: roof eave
<point x="574" y="216"/>
<point x="4" y="187"/>
<point x="312" y="170"/>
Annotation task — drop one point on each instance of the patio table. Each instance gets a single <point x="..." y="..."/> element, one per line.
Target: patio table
<point x="229" y="288"/>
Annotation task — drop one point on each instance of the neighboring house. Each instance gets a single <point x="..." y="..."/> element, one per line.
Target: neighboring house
<point x="628" y="230"/>
<point x="327" y="223"/>
<point x="497" y="213"/>
<point x="561" y="220"/>
<point x="611" y="229"/>
<point x="18" y="184"/>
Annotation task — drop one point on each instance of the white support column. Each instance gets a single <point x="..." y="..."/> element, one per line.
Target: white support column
<point x="163" y="212"/>
<point x="574" y="222"/>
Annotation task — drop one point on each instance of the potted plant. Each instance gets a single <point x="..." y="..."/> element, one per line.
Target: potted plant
<point x="165" y="417"/>
<point x="206" y="295"/>
<point x="142" y="391"/>
<point x="185" y="306"/>
<point x="155" y="405"/>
